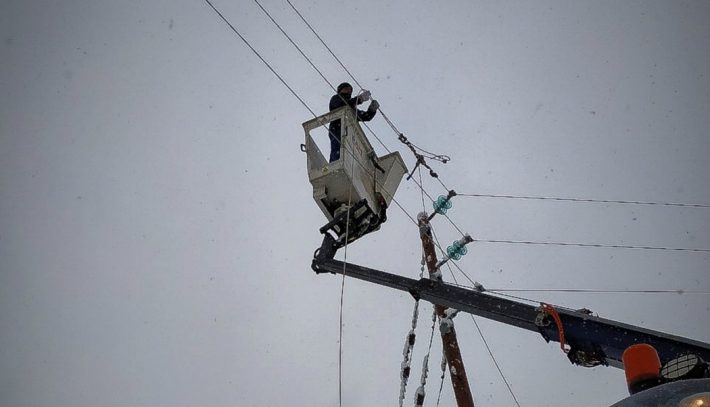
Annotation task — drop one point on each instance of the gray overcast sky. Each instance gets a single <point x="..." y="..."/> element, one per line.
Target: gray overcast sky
<point x="157" y="224"/>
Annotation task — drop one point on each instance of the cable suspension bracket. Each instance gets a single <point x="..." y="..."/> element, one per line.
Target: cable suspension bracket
<point x="421" y="159"/>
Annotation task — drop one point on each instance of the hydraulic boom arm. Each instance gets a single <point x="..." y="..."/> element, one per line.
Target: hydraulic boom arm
<point x="591" y="340"/>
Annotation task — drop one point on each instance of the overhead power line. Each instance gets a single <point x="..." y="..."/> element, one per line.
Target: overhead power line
<point x="295" y="94"/>
<point x="443" y="253"/>
<point x="331" y="86"/>
<point x="438" y="157"/>
<point x="323" y="42"/>
<point x="488" y="348"/>
<point x="311" y="62"/>
<point x="342" y="295"/>
<point x="420" y="184"/>
<point x="340" y="342"/>
<point x="605" y="246"/>
<point x="260" y="57"/>
<point x="473" y="195"/>
<point x="550" y="198"/>
<point x="502" y="291"/>
<point x="294" y="44"/>
<point x="490" y="352"/>
<point x="596" y="245"/>
<point x="597" y="291"/>
<point x="357" y="82"/>
<point x="283" y="81"/>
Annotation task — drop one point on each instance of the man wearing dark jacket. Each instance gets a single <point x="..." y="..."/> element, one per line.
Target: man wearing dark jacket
<point x="342" y="98"/>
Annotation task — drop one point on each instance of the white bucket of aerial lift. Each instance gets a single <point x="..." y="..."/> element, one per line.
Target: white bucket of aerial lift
<point x="354" y="176"/>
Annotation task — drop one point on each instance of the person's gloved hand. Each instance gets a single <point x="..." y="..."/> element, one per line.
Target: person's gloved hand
<point x="374" y="105"/>
<point x="364" y="96"/>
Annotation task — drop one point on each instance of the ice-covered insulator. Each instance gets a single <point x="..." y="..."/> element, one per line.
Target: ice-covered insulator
<point x="456" y="250"/>
<point x="442" y="204"/>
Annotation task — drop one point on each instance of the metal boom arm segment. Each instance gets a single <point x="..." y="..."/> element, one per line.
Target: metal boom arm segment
<point x="592" y="340"/>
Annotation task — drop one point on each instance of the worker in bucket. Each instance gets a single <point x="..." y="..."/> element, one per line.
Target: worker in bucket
<point x="341" y="98"/>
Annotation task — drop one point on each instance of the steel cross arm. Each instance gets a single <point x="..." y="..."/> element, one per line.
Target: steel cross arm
<point x="590" y="338"/>
<point x="473" y="302"/>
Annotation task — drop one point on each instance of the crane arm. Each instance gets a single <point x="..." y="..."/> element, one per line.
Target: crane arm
<point x="591" y="340"/>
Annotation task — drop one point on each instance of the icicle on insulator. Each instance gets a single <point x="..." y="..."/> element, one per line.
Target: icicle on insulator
<point x="442" y="204"/>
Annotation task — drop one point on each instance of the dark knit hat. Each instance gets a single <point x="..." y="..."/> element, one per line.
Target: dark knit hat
<point x="343" y="86"/>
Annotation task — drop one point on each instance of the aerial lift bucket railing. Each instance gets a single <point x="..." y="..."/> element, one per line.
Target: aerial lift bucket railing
<point x="360" y="182"/>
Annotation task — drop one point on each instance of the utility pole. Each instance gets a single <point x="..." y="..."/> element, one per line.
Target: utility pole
<point x="459" y="381"/>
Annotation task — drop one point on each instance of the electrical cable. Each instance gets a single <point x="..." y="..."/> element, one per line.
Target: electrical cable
<point x="443" y="253"/>
<point x="440" y="181"/>
<point x="313" y="65"/>
<point x="517" y="297"/>
<point x="433" y="200"/>
<point x="391" y="124"/>
<point x="231" y="26"/>
<point x="443" y="364"/>
<point x="419" y="401"/>
<point x="512" y="196"/>
<point x="409" y="345"/>
<point x="488" y="348"/>
<point x="495" y="362"/>
<point x="422" y="189"/>
<point x="405" y="367"/>
<point x="597" y="245"/>
<point x="565" y="243"/>
<point x="446" y="188"/>
<point x="443" y="376"/>
<point x="436" y="240"/>
<point x="294" y="44"/>
<point x="259" y="55"/>
<point x="500" y="293"/>
<point x="303" y="54"/>
<point x="323" y="42"/>
<point x="474" y="320"/>
<point x="596" y="291"/>
<point x="550" y="198"/>
<point x="342" y="294"/>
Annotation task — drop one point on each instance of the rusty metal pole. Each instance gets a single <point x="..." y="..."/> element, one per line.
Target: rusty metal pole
<point x="462" y="391"/>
